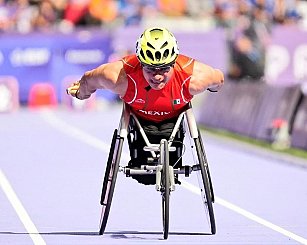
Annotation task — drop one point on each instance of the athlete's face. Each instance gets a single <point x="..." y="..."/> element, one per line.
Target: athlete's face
<point x="157" y="78"/>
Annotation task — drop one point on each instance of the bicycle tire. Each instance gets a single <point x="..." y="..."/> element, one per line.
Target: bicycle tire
<point x="110" y="179"/>
<point x="206" y="167"/>
<point x="164" y="156"/>
<point x="205" y="188"/>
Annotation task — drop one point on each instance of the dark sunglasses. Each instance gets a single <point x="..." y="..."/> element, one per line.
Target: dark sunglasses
<point x="162" y="69"/>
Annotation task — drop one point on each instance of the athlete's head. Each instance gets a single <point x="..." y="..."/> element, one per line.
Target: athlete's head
<point x="157" y="47"/>
<point x="157" y="51"/>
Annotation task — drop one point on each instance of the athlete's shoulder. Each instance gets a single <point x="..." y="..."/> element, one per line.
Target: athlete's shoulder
<point x="130" y="62"/>
<point x="185" y="62"/>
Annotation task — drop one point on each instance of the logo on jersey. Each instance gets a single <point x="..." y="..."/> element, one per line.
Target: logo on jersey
<point x="176" y="101"/>
<point x="141" y="101"/>
<point x="155" y="113"/>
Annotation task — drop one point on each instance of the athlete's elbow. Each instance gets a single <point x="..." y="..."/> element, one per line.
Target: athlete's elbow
<point x="219" y="76"/>
<point x="217" y="81"/>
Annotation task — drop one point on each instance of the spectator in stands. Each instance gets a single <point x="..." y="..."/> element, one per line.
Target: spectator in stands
<point x="46" y="17"/>
<point x="285" y="12"/>
<point x="172" y="7"/>
<point x="105" y="12"/>
<point x="75" y="12"/>
<point x="6" y="22"/>
<point x="249" y="45"/>
<point x="23" y="15"/>
<point x="226" y="13"/>
<point x="133" y="11"/>
<point x="200" y="8"/>
<point x="248" y="30"/>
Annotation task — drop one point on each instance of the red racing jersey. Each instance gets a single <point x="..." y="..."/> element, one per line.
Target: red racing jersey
<point x="158" y="105"/>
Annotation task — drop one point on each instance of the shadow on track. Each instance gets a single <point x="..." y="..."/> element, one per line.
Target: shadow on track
<point x="115" y="234"/>
<point x="70" y="233"/>
<point x="142" y="235"/>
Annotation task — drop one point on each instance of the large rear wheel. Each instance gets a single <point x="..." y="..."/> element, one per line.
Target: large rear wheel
<point x="205" y="184"/>
<point x="206" y="166"/>
<point x="110" y="179"/>
<point x="165" y="191"/>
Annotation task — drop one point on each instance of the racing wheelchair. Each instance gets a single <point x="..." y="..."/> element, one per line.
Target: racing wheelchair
<point x="158" y="166"/>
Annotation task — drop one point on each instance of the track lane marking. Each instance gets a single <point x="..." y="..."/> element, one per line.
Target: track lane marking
<point x="20" y="210"/>
<point x="77" y="133"/>
<point x="247" y="214"/>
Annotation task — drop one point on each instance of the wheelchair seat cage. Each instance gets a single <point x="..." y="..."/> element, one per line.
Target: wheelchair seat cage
<point x="165" y="173"/>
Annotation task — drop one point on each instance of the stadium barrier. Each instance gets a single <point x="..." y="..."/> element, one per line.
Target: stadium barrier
<point x="250" y="109"/>
<point x="9" y="99"/>
<point x="299" y="130"/>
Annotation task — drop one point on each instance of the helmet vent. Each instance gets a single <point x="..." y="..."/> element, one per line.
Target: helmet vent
<point x="142" y="54"/>
<point x="156" y="29"/>
<point x="173" y="51"/>
<point x="158" y="56"/>
<point x="165" y="53"/>
<point x="148" y="44"/>
<point x="149" y="54"/>
<point x="164" y="45"/>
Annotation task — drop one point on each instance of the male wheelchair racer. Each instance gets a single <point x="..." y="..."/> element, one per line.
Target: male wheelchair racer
<point x="156" y="159"/>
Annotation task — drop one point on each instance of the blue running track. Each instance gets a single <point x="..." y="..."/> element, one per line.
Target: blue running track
<point x="52" y="164"/>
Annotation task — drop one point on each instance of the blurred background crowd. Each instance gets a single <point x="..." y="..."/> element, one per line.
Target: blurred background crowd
<point x="45" y="15"/>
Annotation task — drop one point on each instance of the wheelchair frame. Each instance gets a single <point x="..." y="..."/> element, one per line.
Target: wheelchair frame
<point x="165" y="174"/>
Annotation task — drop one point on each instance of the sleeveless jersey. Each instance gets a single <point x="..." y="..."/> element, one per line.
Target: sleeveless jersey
<point x="158" y="105"/>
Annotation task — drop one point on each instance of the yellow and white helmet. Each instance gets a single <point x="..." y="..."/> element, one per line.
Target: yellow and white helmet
<point x="157" y="47"/>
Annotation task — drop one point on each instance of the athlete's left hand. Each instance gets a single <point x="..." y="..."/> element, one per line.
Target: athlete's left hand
<point x="73" y="89"/>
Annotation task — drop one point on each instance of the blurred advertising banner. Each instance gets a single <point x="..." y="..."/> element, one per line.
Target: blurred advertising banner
<point x="286" y="57"/>
<point x="35" y="57"/>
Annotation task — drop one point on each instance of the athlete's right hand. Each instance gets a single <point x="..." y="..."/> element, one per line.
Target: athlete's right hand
<point x="73" y="89"/>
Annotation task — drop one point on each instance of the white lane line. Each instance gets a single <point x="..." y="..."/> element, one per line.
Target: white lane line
<point x="20" y="210"/>
<point x="247" y="214"/>
<point x="99" y="144"/>
<point x="76" y="133"/>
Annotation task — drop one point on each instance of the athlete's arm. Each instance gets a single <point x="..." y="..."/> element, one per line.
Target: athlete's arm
<point x="109" y="76"/>
<point x="205" y="77"/>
